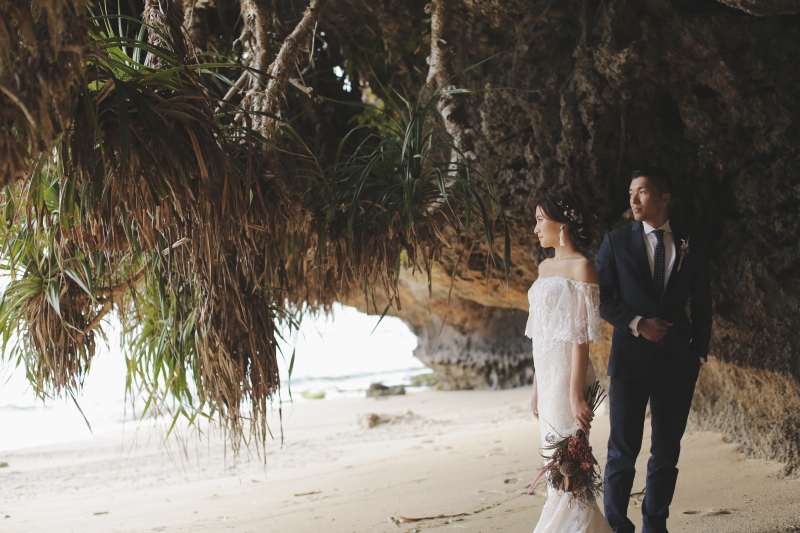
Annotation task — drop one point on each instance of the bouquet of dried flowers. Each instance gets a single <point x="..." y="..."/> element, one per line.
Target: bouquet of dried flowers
<point x="573" y="467"/>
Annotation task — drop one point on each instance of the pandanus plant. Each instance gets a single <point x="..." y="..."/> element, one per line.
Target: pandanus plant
<point x="401" y="190"/>
<point x="208" y="227"/>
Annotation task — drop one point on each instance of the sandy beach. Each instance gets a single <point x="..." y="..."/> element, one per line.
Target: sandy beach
<point x="467" y="456"/>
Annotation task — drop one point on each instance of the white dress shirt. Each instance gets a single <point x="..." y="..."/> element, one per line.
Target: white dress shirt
<point x="650" y="241"/>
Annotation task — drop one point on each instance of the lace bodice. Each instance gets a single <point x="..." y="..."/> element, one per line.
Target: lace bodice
<point x="563" y="310"/>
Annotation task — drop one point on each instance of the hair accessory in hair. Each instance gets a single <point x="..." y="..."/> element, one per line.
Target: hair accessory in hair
<point x="570" y="213"/>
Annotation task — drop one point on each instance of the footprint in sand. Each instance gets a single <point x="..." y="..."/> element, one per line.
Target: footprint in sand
<point x="709" y="512"/>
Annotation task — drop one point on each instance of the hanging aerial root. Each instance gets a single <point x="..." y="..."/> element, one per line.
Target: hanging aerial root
<point x="283" y="65"/>
<point x="446" y="31"/>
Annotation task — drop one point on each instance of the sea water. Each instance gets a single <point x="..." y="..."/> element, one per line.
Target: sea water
<point x="334" y="356"/>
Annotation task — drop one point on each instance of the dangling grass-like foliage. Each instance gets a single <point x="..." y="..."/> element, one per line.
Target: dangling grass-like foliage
<point x="46" y="309"/>
<point x="197" y="231"/>
<point x="171" y="214"/>
<point x="41" y="43"/>
<point x="403" y="191"/>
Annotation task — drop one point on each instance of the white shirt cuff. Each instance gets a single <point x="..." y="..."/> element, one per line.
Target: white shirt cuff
<point x="634" y="324"/>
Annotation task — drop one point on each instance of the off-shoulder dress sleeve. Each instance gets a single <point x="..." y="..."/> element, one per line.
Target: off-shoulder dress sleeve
<point x="566" y="310"/>
<point x="583" y="325"/>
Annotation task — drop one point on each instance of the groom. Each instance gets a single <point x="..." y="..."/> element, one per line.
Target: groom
<point x="648" y="272"/>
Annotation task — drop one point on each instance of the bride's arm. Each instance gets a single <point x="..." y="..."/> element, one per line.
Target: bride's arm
<point x="577" y="379"/>
<point x="535" y="398"/>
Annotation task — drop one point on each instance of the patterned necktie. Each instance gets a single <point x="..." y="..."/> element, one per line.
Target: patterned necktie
<point x="658" y="273"/>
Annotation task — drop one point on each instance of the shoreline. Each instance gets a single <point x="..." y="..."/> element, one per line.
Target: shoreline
<point x="468" y="455"/>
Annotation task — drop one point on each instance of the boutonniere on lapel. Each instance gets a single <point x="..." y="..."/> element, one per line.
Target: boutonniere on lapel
<point x="683" y="251"/>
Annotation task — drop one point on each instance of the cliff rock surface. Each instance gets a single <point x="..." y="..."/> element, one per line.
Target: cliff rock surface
<point x="584" y="92"/>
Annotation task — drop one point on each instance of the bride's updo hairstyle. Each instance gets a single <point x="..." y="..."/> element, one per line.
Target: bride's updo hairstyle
<point x="560" y="205"/>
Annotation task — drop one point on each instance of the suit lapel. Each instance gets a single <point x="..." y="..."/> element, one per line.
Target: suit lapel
<point x="641" y="259"/>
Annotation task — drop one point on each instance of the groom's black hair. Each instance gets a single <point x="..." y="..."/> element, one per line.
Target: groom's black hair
<point x="657" y="178"/>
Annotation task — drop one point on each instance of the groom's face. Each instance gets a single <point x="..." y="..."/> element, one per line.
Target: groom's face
<point x="646" y="202"/>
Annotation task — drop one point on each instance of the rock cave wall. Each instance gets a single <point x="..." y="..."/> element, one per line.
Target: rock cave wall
<point x="583" y="92"/>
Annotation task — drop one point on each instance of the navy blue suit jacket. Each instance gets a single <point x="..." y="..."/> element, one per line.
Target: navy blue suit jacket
<point x="626" y="290"/>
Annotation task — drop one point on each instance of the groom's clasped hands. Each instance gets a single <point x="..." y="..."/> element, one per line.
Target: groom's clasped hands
<point x="653" y="329"/>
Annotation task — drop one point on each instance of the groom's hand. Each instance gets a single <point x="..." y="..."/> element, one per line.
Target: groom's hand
<point x="653" y="329"/>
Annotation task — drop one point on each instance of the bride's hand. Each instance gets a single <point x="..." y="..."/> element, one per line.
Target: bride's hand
<point x="535" y="399"/>
<point x="582" y="412"/>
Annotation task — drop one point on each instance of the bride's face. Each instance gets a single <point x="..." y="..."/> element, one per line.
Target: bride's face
<point x="546" y="230"/>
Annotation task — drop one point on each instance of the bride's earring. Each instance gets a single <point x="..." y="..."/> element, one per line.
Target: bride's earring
<point x="561" y="236"/>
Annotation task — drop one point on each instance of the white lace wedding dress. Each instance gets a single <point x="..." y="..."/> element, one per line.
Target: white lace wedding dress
<point x="563" y="311"/>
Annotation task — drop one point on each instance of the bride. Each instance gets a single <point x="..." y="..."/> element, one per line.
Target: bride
<point x="564" y="318"/>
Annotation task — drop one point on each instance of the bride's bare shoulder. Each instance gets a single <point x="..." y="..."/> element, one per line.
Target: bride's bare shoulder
<point x="583" y="269"/>
<point x="546" y="268"/>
